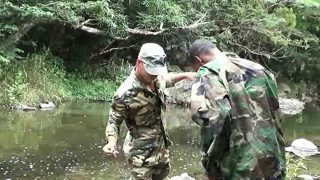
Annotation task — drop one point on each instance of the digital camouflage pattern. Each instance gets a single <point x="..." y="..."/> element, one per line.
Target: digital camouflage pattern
<point x="142" y="110"/>
<point x="235" y="102"/>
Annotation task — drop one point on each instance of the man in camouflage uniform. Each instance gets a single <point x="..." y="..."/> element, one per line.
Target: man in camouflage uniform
<point x="235" y="103"/>
<point x="140" y="102"/>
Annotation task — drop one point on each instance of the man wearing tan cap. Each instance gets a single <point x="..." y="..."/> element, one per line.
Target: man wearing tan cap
<point x="140" y="102"/>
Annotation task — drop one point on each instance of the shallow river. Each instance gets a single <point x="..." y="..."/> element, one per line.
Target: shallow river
<point x="66" y="143"/>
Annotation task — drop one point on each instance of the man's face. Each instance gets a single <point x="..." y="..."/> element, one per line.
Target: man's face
<point x="203" y="59"/>
<point x="147" y="78"/>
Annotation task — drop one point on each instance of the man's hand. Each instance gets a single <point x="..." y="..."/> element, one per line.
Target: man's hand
<point x="110" y="148"/>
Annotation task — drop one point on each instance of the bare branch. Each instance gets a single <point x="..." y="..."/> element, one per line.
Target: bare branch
<point x="190" y="27"/>
<point x="117" y="48"/>
<point x="82" y="26"/>
<point x="197" y="23"/>
<point x="91" y="30"/>
<point x="105" y="51"/>
<point x="145" y="32"/>
<point x="87" y="22"/>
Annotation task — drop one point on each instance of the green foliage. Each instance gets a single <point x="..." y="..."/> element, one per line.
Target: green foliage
<point x="156" y="12"/>
<point x="274" y="33"/>
<point x="41" y="77"/>
<point x="90" y="89"/>
<point x="36" y="78"/>
<point x="14" y="15"/>
<point x="288" y="15"/>
<point x="294" y="166"/>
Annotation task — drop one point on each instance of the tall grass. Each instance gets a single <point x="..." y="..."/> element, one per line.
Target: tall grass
<point x="42" y="77"/>
<point x="38" y="77"/>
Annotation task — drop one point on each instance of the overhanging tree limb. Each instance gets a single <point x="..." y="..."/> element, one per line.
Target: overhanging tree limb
<point x="192" y="26"/>
<point x="83" y="26"/>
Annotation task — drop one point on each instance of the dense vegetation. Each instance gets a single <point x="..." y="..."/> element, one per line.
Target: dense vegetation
<point x="53" y="50"/>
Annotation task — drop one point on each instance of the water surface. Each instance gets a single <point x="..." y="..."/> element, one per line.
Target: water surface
<point x="66" y="143"/>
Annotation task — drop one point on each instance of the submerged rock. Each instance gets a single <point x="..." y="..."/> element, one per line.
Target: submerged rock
<point x="41" y="106"/>
<point x="23" y="107"/>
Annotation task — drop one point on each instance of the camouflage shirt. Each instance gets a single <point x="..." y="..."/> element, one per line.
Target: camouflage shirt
<point x="142" y="110"/>
<point x="235" y="102"/>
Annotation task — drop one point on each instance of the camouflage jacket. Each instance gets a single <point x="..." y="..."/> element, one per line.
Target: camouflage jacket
<point x="235" y="102"/>
<point x="142" y="110"/>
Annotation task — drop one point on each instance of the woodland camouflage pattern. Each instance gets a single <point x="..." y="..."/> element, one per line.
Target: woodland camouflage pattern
<point x="142" y="111"/>
<point x="235" y="102"/>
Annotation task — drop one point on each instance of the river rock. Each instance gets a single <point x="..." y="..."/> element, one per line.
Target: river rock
<point x="46" y="106"/>
<point x="23" y="107"/>
<point x="291" y="106"/>
<point x="303" y="148"/>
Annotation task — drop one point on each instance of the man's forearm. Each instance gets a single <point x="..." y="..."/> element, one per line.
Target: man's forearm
<point x="181" y="76"/>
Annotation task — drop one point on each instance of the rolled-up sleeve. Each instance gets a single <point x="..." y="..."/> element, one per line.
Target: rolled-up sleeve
<point x="165" y="81"/>
<point x="117" y="114"/>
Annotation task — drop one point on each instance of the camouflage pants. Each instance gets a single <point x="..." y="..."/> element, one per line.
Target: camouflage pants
<point x="157" y="172"/>
<point x="266" y="168"/>
<point x="152" y="164"/>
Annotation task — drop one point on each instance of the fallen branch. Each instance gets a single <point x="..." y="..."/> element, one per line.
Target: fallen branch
<point x="197" y="23"/>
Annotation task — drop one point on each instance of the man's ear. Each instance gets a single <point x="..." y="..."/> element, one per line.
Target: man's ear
<point x="198" y="60"/>
<point x="138" y="61"/>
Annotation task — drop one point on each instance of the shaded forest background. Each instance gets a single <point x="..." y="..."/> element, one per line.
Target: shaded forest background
<point x="81" y="49"/>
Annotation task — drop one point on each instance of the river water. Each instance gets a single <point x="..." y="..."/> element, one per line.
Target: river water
<point x="66" y="143"/>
